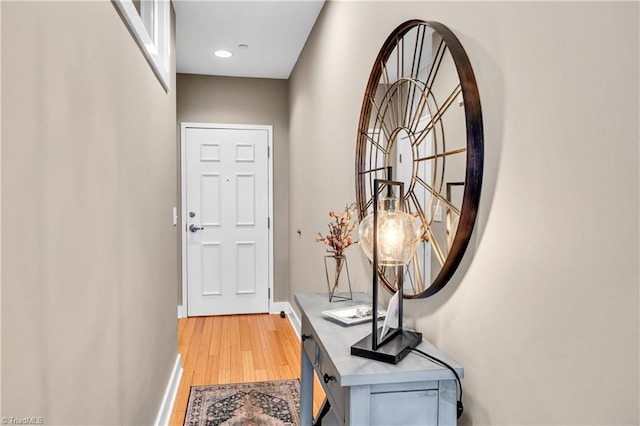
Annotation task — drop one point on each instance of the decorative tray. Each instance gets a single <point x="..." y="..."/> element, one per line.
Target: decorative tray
<point x="353" y="314"/>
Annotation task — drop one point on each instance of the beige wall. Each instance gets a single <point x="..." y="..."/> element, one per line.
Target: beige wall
<point x="208" y="99"/>
<point x="544" y="313"/>
<point x="0" y="210"/>
<point x="88" y="248"/>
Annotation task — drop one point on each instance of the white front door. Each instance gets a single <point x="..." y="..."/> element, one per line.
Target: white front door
<point x="227" y="214"/>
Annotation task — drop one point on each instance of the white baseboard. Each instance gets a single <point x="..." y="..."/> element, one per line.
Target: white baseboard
<point x="277" y="307"/>
<point x="295" y="321"/>
<point x="182" y="311"/>
<point x="169" y="398"/>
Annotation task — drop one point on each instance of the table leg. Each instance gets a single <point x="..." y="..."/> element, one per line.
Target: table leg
<point x="306" y="390"/>
<point x="324" y="410"/>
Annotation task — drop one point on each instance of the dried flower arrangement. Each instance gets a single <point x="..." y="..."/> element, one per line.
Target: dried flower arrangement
<point x="340" y="228"/>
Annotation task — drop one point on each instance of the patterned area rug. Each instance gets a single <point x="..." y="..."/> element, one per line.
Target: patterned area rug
<point x="261" y="403"/>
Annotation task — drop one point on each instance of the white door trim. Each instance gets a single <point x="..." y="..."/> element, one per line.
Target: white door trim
<point x="182" y="309"/>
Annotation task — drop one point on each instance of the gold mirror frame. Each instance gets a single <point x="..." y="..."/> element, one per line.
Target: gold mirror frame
<point x="406" y="100"/>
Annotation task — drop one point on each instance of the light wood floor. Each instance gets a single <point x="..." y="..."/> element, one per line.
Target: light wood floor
<point x="236" y="349"/>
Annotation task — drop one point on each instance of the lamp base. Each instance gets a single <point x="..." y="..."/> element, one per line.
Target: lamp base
<point x="391" y="350"/>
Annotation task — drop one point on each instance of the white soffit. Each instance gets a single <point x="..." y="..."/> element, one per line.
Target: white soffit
<point x="274" y="31"/>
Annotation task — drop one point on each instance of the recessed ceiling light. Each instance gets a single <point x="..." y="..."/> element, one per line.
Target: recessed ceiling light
<point x="243" y="46"/>
<point x="223" y="53"/>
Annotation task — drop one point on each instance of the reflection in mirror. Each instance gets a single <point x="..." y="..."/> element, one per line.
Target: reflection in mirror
<point x="414" y="119"/>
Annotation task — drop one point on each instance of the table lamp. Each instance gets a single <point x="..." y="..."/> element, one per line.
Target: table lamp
<point x="389" y="238"/>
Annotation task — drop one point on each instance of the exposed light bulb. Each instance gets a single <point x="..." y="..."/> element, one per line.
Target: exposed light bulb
<point x="398" y="236"/>
<point x="390" y="237"/>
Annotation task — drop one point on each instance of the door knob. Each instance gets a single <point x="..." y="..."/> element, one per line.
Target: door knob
<point x="194" y="228"/>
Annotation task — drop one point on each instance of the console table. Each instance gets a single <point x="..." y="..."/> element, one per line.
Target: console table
<point x="416" y="391"/>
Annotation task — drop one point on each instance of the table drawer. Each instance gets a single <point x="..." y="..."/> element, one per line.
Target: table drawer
<point x="418" y="407"/>
<point x="308" y="340"/>
<point x="328" y="375"/>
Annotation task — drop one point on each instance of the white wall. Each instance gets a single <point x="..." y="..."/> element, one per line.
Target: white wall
<point x="544" y="313"/>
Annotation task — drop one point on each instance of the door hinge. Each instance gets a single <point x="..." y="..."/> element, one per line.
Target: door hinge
<point x="269" y="294"/>
<point x="268" y="151"/>
<point x="269" y="223"/>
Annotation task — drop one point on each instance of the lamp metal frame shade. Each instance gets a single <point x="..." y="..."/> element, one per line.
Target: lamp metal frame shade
<point x="398" y="342"/>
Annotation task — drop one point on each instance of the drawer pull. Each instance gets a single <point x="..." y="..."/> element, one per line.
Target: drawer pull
<point x="327" y="378"/>
<point x="306" y="336"/>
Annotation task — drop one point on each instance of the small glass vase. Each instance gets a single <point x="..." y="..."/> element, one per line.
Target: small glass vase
<point x="338" y="280"/>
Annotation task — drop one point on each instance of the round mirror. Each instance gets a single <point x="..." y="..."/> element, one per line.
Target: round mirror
<point x="421" y="115"/>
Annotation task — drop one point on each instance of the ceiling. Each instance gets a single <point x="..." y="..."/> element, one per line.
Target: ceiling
<point x="273" y="31"/>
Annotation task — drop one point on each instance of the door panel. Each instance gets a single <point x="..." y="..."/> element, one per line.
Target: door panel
<point x="246" y="276"/>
